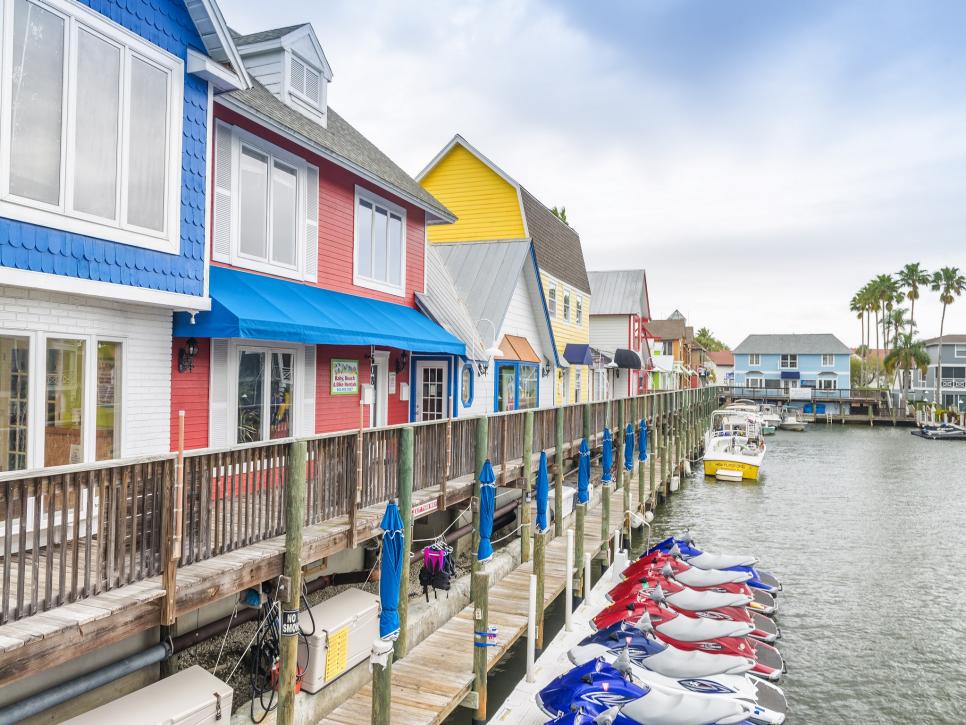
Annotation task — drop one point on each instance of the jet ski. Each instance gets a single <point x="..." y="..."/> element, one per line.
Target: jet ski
<point x="597" y="692"/>
<point x="684" y="548"/>
<point x="687" y="574"/>
<point x="629" y="650"/>
<point x="642" y="573"/>
<point x="695" y="600"/>
<point x="668" y="622"/>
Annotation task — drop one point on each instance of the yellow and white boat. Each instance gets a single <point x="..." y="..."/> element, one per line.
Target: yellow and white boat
<point x="734" y="447"/>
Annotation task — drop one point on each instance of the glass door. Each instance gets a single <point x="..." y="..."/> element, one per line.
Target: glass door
<point x="432" y="398"/>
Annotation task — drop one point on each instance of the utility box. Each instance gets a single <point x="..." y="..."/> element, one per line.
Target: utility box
<point x="345" y="627"/>
<point x="191" y="697"/>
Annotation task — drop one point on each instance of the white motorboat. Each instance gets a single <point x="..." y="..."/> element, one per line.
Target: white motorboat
<point x="734" y="447"/>
<point x="793" y="420"/>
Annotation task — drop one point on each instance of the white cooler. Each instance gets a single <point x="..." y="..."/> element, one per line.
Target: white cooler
<point x="345" y="627"/>
<point x="191" y="697"/>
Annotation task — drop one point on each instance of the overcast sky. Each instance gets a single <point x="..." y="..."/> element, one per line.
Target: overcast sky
<point x="761" y="160"/>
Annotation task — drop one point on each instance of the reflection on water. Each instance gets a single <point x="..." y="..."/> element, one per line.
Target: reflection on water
<point x="867" y="530"/>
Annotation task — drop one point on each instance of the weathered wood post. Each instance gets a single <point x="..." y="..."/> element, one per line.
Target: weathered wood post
<point x="481" y="641"/>
<point x="641" y="485"/>
<point x="625" y="476"/>
<point x="579" y="525"/>
<point x="586" y="422"/>
<point x="292" y="568"/>
<point x="527" y="472"/>
<point x="619" y="443"/>
<point x="652" y="449"/>
<point x="405" y="468"/>
<point x="540" y="569"/>
<point x="558" y="476"/>
<point x="479" y="456"/>
<point x="382" y="683"/>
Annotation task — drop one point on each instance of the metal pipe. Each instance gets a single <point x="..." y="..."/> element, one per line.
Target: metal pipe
<point x="46" y="699"/>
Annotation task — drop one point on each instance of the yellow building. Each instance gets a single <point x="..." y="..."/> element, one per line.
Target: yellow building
<point x="491" y="206"/>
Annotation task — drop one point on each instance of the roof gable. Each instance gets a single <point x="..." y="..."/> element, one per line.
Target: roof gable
<point x="301" y="38"/>
<point x="619" y="292"/>
<point x="670" y="329"/>
<point x="557" y="245"/>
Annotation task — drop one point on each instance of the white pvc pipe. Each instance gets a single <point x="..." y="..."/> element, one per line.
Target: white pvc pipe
<point x="587" y="584"/>
<point x="532" y="628"/>
<point x="569" y="583"/>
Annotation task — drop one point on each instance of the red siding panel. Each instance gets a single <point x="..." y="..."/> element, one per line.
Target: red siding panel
<point x="189" y="392"/>
<point x="337" y="219"/>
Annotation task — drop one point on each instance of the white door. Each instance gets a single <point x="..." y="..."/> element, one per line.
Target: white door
<point x="378" y="414"/>
<point x="431" y="391"/>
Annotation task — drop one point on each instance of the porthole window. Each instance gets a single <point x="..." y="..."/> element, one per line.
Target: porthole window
<point x="466" y="386"/>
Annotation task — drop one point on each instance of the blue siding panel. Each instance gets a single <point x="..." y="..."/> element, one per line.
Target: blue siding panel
<point x="41" y="249"/>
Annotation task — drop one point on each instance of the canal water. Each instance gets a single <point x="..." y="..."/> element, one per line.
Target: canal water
<point x="867" y="530"/>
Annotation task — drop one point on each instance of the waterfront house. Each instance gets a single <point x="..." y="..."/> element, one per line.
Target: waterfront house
<point x="724" y="366"/>
<point x="492" y="206"/>
<point x="317" y="253"/>
<point x="488" y="294"/>
<point x="952" y="381"/>
<point x="107" y="131"/>
<point x="802" y="367"/>
<point x="618" y="318"/>
<point x="670" y="351"/>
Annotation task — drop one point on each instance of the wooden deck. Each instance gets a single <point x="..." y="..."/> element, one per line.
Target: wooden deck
<point x="432" y="680"/>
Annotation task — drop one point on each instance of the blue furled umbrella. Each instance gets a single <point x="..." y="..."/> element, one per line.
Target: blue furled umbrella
<point x="629" y="447"/>
<point x="642" y="444"/>
<point x="607" y="458"/>
<point x="583" y="473"/>
<point x="390" y="571"/>
<point x="487" y="507"/>
<point x="543" y="493"/>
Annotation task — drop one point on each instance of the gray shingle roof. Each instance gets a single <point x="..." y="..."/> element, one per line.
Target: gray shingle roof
<point x="263" y="36"/>
<point x="665" y="329"/>
<point x="442" y="302"/>
<point x="806" y="344"/>
<point x="947" y="340"/>
<point x="557" y="245"/>
<point x="618" y="292"/>
<point x="339" y="138"/>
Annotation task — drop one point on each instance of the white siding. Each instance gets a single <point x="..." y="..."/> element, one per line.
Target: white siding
<point x="266" y="68"/>
<point x="145" y="333"/>
<point x="608" y="332"/>
<point x="524" y="317"/>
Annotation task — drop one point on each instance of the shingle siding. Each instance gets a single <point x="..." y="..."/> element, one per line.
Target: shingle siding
<point x="41" y="249"/>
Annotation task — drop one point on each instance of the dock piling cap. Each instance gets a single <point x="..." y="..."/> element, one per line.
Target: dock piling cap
<point x="380" y="653"/>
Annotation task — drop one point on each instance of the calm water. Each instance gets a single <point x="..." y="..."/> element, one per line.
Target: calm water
<point x="867" y="530"/>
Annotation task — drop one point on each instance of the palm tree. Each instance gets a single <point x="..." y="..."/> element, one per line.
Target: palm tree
<point x="950" y="284"/>
<point x="908" y="354"/>
<point x="886" y="290"/>
<point x="857" y="305"/>
<point x="911" y="278"/>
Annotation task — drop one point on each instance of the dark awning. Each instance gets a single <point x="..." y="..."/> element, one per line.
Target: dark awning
<point x="266" y="308"/>
<point x="577" y="354"/>
<point x="627" y="359"/>
<point x="791" y="375"/>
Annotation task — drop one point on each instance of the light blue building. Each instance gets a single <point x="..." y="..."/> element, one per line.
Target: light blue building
<point x="801" y="368"/>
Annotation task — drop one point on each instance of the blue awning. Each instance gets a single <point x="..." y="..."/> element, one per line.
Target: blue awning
<point x="577" y="354"/>
<point x="791" y="374"/>
<point x="265" y="308"/>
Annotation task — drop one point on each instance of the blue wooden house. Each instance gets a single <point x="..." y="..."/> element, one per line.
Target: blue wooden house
<point x="803" y="367"/>
<point x="105" y="127"/>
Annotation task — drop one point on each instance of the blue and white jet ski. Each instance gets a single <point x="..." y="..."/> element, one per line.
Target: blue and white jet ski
<point x="684" y="548"/>
<point x="597" y="692"/>
<point x="634" y="651"/>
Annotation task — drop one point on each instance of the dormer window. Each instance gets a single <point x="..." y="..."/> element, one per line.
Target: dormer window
<point x="305" y="82"/>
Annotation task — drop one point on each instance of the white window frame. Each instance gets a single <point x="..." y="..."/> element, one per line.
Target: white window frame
<point x="782" y="361"/>
<point x="667" y="347"/>
<point x="826" y="382"/>
<point x="60" y="215"/>
<point x="552" y="300"/>
<point x="358" y="279"/>
<point x="754" y="359"/>
<point x="566" y="305"/>
<point x="240" y="139"/>
<point x="959" y="351"/>
<point x="234" y="358"/>
<point x="579" y="310"/>
<point x="828" y="360"/>
<point x="755" y="381"/>
<point x="37" y="394"/>
<point x="578" y="384"/>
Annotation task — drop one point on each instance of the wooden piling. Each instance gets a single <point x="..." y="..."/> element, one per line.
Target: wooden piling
<point x="525" y="538"/>
<point x="579" y="525"/>
<point x="558" y="473"/>
<point x="539" y="568"/>
<point x="481" y="640"/>
<point x="586" y="423"/>
<point x="405" y="469"/>
<point x="382" y="685"/>
<point x="480" y="454"/>
<point x="292" y="569"/>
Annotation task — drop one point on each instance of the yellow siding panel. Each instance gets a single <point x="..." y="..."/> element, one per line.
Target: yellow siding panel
<point x="486" y="206"/>
<point x="570" y="332"/>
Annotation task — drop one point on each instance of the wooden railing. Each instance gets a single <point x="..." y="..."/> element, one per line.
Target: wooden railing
<point x="71" y="532"/>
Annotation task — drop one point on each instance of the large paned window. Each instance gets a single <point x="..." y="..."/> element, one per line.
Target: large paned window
<point x="92" y="120"/>
<point x="789" y="361"/>
<point x="269" y="210"/>
<point x="755" y="381"/>
<point x="14" y="402"/>
<point x="517" y="386"/>
<point x="64" y="402"/>
<point x="265" y="395"/>
<point x="380" y="244"/>
<point x="529" y="387"/>
<point x="826" y="382"/>
<point x="828" y="360"/>
<point x="108" y="405"/>
<point x="580" y="310"/>
<point x="754" y="359"/>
